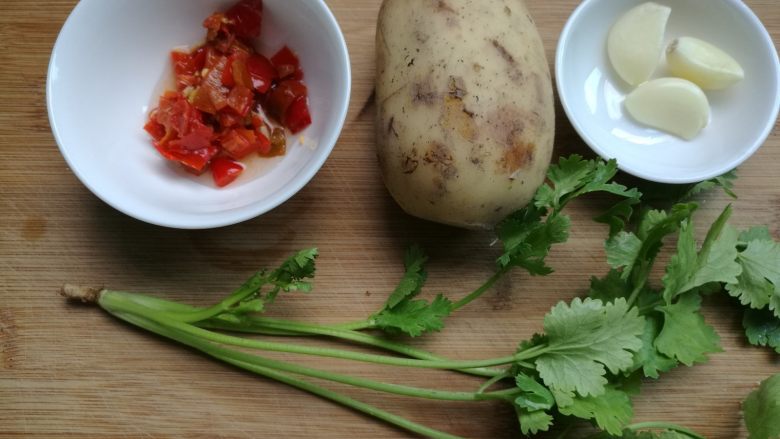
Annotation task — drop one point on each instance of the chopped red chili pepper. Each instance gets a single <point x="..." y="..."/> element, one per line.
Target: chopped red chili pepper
<point x="225" y="171"/>
<point x="297" y="116"/>
<point x="261" y="72"/>
<point x="214" y="113"/>
<point x="287" y="64"/>
<point x="246" y="18"/>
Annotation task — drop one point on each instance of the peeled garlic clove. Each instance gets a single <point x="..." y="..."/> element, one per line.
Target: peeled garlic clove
<point x="636" y="42"/>
<point x="701" y="62"/>
<point x="674" y="105"/>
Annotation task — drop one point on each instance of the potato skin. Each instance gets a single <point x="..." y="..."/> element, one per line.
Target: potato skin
<point x="466" y="116"/>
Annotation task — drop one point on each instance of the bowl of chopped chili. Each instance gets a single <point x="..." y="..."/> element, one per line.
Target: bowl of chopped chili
<point x="198" y="114"/>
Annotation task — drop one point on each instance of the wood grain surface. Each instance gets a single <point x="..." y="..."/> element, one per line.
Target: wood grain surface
<point x="69" y="371"/>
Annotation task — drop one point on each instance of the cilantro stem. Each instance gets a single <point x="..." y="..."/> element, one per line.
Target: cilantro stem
<point x="278" y="327"/>
<point x="481" y="290"/>
<point x="355" y="326"/>
<point x="231" y="357"/>
<point x="664" y="426"/>
<point x="492" y="381"/>
<point x="114" y="301"/>
<point x="264" y="325"/>
<point x="250" y="287"/>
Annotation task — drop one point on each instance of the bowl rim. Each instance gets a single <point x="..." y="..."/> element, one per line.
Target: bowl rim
<point x="224" y="218"/>
<point x="766" y="40"/>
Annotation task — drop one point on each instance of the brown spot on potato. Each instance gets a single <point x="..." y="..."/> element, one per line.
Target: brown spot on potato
<point x="455" y="116"/>
<point x="517" y="131"/>
<point x="451" y="14"/>
<point x="424" y="93"/>
<point x="518" y="156"/>
<point x="515" y="73"/>
<point x="503" y="52"/>
<point x="440" y="157"/>
<point x="409" y="162"/>
<point x="443" y="6"/>
<point x="478" y="67"/>
<point x="421" y="36"/>
<point x="507" y="11"/>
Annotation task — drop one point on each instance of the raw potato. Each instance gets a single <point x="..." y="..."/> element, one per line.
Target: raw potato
<point x="674" y="105"/>
<point x="702" y="63"/>
<point x="465" y="120"/>
<point x="636" y="42"/>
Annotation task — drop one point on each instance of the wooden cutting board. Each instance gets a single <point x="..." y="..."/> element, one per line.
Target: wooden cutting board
<point x="68" y="371"/>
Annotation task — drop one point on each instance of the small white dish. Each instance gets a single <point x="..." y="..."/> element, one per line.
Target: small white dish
<point x="742" y="117"/>
<point x="111" y="63"/>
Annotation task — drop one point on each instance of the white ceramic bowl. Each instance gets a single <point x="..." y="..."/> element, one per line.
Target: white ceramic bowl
<point x="111" y="63"/>
<point x="742" y="116"/>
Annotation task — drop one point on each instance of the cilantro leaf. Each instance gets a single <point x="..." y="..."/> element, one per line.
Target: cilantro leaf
<point x="760" y="261"/>
<point x="527" y="239"/>
<point x="685" y="335"/>
<point x="725" y="182"/>
<point x="611" y="411"/>
<point x="623" y="251"/>
<point x="535" y="396"/>
<point x="533" y="422"/>
<point x="762" y="410"/>
<point x="774" y="302"/>
<point x="653" y="227"/>
<point x="565" y="178"/>
<point x="291" y="274"/>
<point x="599" y="181"/>
<point x="648" y="359"/>
<point x="657" y="224"/>
<point x="762" y="328"/>
<point x="715" y="262"/>
<point x="403" y="314"/>
<point x="573" y="176"/>
<point x="609" y="288"/>
<point x="414" y="277"/>
<point x="585" y="339"/>
<point x="758" y="233"/>
<point x="415" y="317"/>
<point x="618" y="216"/>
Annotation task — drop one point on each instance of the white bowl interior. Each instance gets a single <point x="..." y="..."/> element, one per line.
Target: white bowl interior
<point x="111" y="63"/>
<point x="742" y="116"/>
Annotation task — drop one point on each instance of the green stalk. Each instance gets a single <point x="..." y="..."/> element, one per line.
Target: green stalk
<point x="481" y="290"/>
<point x="493" y="380"/>
<point x="264" y="325"/>
<point x="356" y="326"/>
<point x="664" y="426"/>
<point x="277" y="327"/>
<point x="114" y="301"/>
<point x="228" y="357"/>
<point x="249" y="288"/>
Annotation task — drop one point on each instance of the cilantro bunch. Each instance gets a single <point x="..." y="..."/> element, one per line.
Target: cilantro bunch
<point x="589" y="358"/>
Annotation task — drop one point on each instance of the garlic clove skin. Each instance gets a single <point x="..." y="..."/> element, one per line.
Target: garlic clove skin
<point x="635" y="43"/>
<point x="676" y="106"/>
<point x="703" y="64"/>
